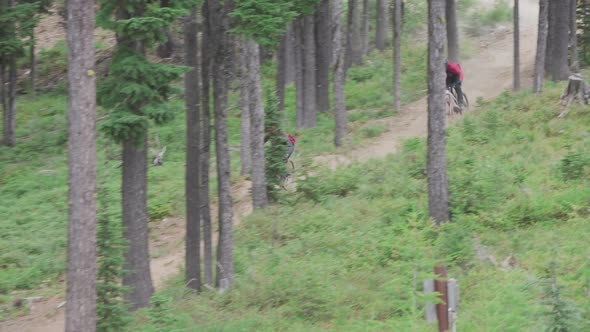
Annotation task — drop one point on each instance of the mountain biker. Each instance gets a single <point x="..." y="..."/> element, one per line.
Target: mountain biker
<point x="454" y="79"/>
<point x="290" y="141"/>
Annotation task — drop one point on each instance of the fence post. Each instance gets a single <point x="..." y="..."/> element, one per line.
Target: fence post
<point x="440" y="285"/>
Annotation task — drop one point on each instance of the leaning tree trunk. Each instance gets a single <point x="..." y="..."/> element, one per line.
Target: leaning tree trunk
<point x="245" y="90"/>
<point x="397" y="31"/>
<point x="365" y="28"/>
<point x="222" y="75"/>
<point x="256" y="108"/>
<point x="516" y="73"/>
<point x="574" y="60"/>
<point x="452" y="31"/>
<point x="541" y="47"/>
<point x="353" y="35"/>
<point x="309" y="73"/>
<point x="207" y="45"/>
<point x="10" y="112"/>
<point x="135" y="222"/>
<point x="339" y="78"/>
<point x="299" y="84"/>
<point x="559" y="40"/>
<point x="81" y="275"/>
<point x="438" y="189"/>
<point x="193" y="140"/>
<point x="382" y="24"/>
<point x="323" y="53"/>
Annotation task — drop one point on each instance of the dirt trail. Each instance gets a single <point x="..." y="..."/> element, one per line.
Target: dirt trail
<point x="487" y="74"/>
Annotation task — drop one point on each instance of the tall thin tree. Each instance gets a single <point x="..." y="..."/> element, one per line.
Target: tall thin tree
<point x="382" y="24"/>
<point x="219" y="25"/>
<point x="309" y="73"/>
<point x="193" y="142"/>
<point x="541" y="46"/>
<point x="516" y="73"/>
<point x="574" y="58"/>
<point x="366" y="26"/>
<point x="353" y="35"/>
<point x="452" y="30"/>
<point x="559" y="27"/>
<point x="339" y="78"/>
<point x="438" y="188"/>
<point x="323" y="54"/>
<point x="245" y="123"/>
<point x="397" y="31"/>
<point x="81" y="276"/>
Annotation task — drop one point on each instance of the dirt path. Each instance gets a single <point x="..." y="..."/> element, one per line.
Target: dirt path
<point x="488" y="73"/>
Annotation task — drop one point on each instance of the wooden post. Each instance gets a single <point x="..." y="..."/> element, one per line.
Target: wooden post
<point x="429" y="307"/>
<point x="453" y="295"/>
<point x="442" y="311"/>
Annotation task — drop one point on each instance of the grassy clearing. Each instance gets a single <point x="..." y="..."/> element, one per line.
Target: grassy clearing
<point x="349" y="250"/>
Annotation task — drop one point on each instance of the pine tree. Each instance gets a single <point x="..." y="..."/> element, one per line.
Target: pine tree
<point x="136" y="92"/>
<point x="276" y="150"/>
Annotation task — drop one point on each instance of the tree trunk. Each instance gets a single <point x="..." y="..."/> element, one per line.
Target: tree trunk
<point x="336" y="27"/>
<point x="10" y="112"/>
<point x="339" y="78"/>
<point x="290" y="54"/>
<point x="452" y="31"/>
<point x="559" y="40"/>
<point x="299" y="85"/>
<point x="281" y="79"/>
<point x="382" y="24"/>
<point x="33" y="64"/>
<point x="135" y="222"/>
<point x="259" y="193"/>
<point x="81" y="275"/>
<point x="353" y="35"/>
<point x="309" y="73"/>
<point x="222" y="74"/>
<point x="166" y="49"/>
<point x="516" y="74"/>
<point x="3" y="100"/>
<point x="438" y="189"/>
<point x="397" y="31"/>
<point x="574" y="60"/>
<point x="366" y="28"/>
<point x="207" y="45"/>
<point x="323" y="53"/>
<point x="193" y="141"/>
<point x="550" y="27"/>
<point x="245" y="90"/>
<point x="541" y="46"/>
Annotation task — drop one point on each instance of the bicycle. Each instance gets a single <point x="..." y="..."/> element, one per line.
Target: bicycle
<point x="452" y="103"/>
<point x="287" y="178"/>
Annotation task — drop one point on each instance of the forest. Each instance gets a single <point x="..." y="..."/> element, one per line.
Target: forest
<point x="294" y="165"/>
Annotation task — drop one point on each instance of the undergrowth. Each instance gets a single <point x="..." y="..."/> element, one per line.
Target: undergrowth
<point x="349" y="250"/>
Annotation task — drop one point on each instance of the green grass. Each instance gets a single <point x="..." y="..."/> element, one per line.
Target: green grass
<point x="349" y="250"/>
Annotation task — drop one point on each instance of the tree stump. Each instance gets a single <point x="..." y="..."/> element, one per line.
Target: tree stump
<point x="576" y="88"/>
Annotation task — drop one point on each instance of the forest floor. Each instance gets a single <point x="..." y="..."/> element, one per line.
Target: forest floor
<point x="488" y="72"/>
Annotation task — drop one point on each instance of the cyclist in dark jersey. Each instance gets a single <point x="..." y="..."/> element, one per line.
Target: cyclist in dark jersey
<point x="455" y="79"/>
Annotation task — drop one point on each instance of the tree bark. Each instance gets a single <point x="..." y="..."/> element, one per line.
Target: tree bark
<point x="81" y="275"/>
<point x="438" y="189"/>
<point x="516" y="74"/>
<point x="541" y="46"/>
<point x="335" y="27"/>
<point x="452" y="31"/>
<point x="559" y="40"/>
<point x="3" y="100"/>
<point x="193" y="142"/>
<point x="299" y="85"/>
<point x="10" y="112"/>
<point x="207" y="46"/>
<point x="309" y="73"/>
<point x="166" y="49"/>
<point x="339" y="78"/>
<point x="135" y="222"/>
<point x="353" y="35"/>
<point x="259" y="193"/>
<point x="574" y="59"/>
<point x="323" y="54"/>
<point x="33" y="63"/>
<point x="222" y="74"/>
<point x="281" y="79"/>
<point x="366" y="27"/>
<point x="550" y="27"/>
<point x="382" y="24"/>
<point x="397" y="31"/>
<point x="245" y="128"/>
<point x="290" y="54"/>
